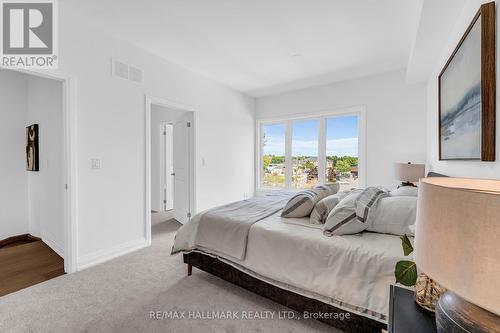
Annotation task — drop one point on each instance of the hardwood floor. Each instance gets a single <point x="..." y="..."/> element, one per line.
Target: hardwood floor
<point x="18" y="240"/>
<point x="24" y="265"/>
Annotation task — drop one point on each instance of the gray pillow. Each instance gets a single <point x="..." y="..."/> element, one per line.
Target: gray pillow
<point x="405" y="191"/>
<point x="394" y="215"/>
<point x="302" y="203"/>
<point x="325" y="206"/>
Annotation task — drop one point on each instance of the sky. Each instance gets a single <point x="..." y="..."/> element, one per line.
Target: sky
<point x="341" y="137"/>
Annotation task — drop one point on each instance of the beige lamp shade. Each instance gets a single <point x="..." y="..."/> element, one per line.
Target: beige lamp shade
<point x="457" y="237"/>
<point x="407" y="172"/>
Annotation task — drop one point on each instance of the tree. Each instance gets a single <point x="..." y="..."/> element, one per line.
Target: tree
<point x="353" y="161"/>
<point x="333" y="159"/>
<point x="309" y="165"/>
<point x="266" y="160"/>
<point x="278" y="159"/>
<point x="343" y="166"/>
<point x="331" y="176"/>
<point x="313" y="174"/>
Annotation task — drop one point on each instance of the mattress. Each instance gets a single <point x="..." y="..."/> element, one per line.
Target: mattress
<point x="351" y="272"/>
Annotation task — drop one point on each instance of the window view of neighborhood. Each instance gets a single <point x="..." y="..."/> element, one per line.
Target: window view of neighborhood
<point x="341" y="165"/>
<point x="273" y="155"/>
<point x="342" y="151"/>
<point x="305" y="153"/>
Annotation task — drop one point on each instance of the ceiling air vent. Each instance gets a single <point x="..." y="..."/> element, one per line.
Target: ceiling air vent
<point x="125" y="71"/>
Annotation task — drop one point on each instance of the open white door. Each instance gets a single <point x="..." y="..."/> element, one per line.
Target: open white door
<point x="166" y="167"/>
<point x="181" y="166"/>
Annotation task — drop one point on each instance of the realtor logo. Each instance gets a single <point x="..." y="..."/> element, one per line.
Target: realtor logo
<point x="28" y="34"/>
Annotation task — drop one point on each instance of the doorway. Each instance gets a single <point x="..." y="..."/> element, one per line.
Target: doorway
<point x="36" y="227"/>
<point x="170" y="150"/>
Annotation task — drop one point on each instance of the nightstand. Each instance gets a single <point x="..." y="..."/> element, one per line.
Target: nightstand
<point x="405" y="316"/>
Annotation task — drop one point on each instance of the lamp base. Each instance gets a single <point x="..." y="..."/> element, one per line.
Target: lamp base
<point x="407" y="184"/>
<point x="427" y="292"/>
<point x="456" y="315"/>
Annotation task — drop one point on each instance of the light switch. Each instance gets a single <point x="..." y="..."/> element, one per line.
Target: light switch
<point x="96" y="164"/>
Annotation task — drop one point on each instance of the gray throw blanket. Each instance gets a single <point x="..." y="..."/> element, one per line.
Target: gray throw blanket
<point x="225" y="229"/>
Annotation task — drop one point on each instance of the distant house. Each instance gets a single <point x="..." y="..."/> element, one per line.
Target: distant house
<point x="277" y="169"/>
<point x="354" y="171"/>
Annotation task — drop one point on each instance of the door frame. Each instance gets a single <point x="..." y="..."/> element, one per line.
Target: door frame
<point x="149" y="101"/>
<point x="70" y="167"/>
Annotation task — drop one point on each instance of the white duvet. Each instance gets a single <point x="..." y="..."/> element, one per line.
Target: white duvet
<point x="352" y="272"/>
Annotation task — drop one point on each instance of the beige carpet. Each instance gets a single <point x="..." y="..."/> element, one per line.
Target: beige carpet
<point x="119" y="295"/>
<point x="160" y="217"/>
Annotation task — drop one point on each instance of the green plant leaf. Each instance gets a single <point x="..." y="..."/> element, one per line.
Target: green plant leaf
<point x="406" y="273"/>
<point x="407" y="247"/>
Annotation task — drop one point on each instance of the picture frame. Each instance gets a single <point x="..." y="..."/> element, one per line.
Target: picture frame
<point x="467" y="93"/>
<point x="32" y="150"/>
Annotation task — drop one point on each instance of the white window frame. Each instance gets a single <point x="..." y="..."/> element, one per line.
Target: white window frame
<point x="359" y="111"/>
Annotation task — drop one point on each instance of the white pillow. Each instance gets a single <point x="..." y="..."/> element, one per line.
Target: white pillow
<point x="393" y="215"/>
<point x="325" y="206"/>
<point x="412" y="229"/>
<point x="405" y="191"/>
<point x="345" y="211"/>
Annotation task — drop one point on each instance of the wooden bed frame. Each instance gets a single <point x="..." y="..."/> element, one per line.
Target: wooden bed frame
<point x="355" y="323"/>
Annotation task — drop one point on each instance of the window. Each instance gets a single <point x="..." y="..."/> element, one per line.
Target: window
<point x="273" y="155"/>
<point x="304" y="152"/>
<point x="342" y="151"/>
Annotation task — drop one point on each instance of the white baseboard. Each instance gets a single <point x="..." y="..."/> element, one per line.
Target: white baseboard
<point x="53" y="245"/>
<point x="98" y="257"/>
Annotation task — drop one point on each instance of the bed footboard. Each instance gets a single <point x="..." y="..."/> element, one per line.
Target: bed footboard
<point x="355" y="323"/>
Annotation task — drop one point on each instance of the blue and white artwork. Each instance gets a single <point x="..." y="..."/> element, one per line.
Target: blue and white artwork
<point x="460" y="100"/>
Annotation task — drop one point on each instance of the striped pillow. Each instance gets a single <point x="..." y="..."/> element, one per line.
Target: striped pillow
<point x="351" y="213"/>
<point x="302" y="203"/>
<point x="325" y="206"/>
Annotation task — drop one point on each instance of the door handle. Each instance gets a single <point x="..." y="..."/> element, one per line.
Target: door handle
<point x="172" y="174"/>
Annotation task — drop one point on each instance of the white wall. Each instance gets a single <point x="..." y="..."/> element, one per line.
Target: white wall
<point x="456" y="168"/>
<point x="395" y="117"/>
<point x="13" y="179"/>
<point x="111" y="126"/>
<point x="46" y="187"/>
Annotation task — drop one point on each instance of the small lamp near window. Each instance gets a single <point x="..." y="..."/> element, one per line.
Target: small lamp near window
<point x="409" y="173"/>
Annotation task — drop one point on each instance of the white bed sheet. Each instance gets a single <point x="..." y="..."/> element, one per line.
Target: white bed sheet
<point x="351" y="272"/>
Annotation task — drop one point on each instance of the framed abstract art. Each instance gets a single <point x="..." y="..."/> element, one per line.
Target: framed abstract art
<point x="467" y="89"/>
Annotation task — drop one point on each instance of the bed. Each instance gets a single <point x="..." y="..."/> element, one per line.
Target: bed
<point x="291" y="262"/>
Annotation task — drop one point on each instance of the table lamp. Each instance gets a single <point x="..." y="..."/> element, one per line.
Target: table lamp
<point x="457" y="244"/>
<point x="409" y="173"/>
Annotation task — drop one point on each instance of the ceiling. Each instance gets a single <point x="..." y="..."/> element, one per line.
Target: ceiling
<point x="263" y="47"/>
<point x="437" y="19"/>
